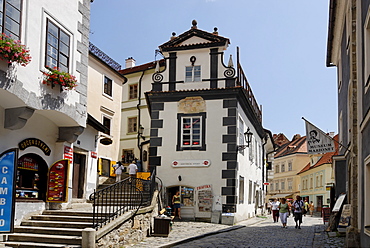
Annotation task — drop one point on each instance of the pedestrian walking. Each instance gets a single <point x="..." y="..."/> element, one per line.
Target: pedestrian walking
<point x="312" y="208"/>
<point x="298" y="206"/>
<point x="283" y="212"/>
<point x="176" y="202"/>
<point x="275" y="210"/>
<point x="118" y="168"/>
<point x="268" y="207"/>
<point x="306" y="207"/>
<point x="132" y="170"/>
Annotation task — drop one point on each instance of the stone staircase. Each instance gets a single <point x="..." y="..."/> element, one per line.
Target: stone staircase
<point x="62" y="228"/>
<point x="53" y="228"/>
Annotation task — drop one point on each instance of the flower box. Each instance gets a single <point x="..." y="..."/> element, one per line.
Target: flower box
<point x="55" y="76"/>
<point x="13" y="51"/>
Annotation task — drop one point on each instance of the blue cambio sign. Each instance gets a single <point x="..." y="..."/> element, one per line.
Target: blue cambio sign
<point x="7" y="182"/>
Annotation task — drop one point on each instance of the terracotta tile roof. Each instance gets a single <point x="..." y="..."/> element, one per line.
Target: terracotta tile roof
<point x="327" y="158"/>
<point x="297" y="145"/>
<point x="143" y="67"/>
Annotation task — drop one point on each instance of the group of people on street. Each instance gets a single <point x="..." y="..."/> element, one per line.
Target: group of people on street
<point x="283" y="208"/>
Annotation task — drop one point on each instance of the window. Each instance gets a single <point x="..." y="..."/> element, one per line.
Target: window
<point x="277" y="169"/>
<point x="250" y="192"/>
<point x="192" y="73"/>
<point x="276" y="186"/>
<point x="241" y="134"/>
<point x="282" y="167"/>
<point x="290" y="166"/>
<point x="107" y="86"/>
<point x="191" y="135"/>
<point x="321" y="182"/>
<point x="132" y="125"/>
<point x="271" y="187"/>
<point x="282" y="185"/>
<point x="10" y="18"/>
<point x="317" y="181"/>
<point x="311" y="182"/>
<point x="57" y="48"/>
<point x="290" y="185"/>
<point x="106" y="123"/>
<point x="241" y="189"/>
<point x="133" y="91"/>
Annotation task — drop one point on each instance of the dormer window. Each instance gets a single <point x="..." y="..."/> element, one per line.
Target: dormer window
<point x="192" y="73"/>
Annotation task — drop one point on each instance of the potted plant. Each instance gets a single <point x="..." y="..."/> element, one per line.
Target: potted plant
<point x="13" y="51"/>
<point x="55" y="76"/>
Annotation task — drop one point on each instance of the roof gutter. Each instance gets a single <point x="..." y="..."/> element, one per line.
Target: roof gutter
<point x="332" y="8"/>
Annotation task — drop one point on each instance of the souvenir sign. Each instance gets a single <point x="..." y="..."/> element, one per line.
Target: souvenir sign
<point x="57" y="182"/>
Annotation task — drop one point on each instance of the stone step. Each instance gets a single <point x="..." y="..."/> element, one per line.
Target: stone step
<point x="62" y="218"/>
<point x="43" y="238"/>
<point x="35" y="245"/>
<point x="48" y="230"/>
<point x="78" y="225"/>
<point x="68" y="213"/>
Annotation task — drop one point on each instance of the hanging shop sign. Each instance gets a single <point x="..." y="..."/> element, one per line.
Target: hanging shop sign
<point x="191" y="163"/>
<point x="57" y="182"/>
<point x="68" y="153"/>
<point x="34" y="142"/>
<point x="7" y="174"/>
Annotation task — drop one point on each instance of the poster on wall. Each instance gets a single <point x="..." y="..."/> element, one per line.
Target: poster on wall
<point x="205" y="198"/>
<point x="8" y="161"/>
<point x="58" y="182"/>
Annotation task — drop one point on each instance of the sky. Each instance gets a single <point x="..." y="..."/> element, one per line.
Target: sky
<point x="282" y="48"/>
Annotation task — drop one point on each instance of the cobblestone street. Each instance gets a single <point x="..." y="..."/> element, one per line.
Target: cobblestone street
<point x="255" y="232"/>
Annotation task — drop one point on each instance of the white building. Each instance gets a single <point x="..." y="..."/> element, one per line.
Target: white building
<point x="42" y="123"/>
<point x="200" y="111"/>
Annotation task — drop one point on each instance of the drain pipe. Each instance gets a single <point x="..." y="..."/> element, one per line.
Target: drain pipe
<point x="139" y="117"/>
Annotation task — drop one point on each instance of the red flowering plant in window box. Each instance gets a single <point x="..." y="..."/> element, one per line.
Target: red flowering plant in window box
<point x="55" y="76"/>
<point x="13" y="51"/>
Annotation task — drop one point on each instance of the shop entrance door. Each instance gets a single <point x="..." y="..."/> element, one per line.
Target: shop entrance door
<point x="319" y="203"/>
<point x="78" y="178"/>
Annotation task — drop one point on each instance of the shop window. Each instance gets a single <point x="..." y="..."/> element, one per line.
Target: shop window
<point x="191" y="133"/>
<point x="187" y="196"/>
<point x="127" y="156"/>
<point x="31" y="178"/>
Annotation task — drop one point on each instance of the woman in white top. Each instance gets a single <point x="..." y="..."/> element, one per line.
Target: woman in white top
<point x="275" y="210"/>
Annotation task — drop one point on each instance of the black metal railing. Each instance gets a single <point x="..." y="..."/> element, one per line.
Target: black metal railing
<point x="243" y="81"/>
<point x="113" y="201"/>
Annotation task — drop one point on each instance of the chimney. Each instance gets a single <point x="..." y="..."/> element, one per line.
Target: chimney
<point x="130" y="62"/>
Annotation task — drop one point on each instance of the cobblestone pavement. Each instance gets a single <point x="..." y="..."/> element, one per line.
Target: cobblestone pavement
<point x="255" y="232"/>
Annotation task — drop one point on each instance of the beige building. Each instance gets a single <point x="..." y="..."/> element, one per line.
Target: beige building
<point x="290" y="159"/>
<point x="104" y="104"/>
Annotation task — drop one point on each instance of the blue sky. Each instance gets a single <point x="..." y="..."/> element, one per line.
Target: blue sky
<point x="282" y="48"/>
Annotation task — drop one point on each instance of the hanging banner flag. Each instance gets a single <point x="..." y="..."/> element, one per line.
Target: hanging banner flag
<point x="8" y="161"/>
<point x="317" y="141"/>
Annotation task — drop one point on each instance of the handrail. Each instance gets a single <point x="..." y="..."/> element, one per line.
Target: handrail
<point x="116" y="199"/>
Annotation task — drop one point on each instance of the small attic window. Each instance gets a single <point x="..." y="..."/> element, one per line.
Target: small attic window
<point x="192" y="73"/>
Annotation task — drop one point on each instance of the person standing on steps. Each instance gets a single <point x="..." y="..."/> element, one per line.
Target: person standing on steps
<point x="298" y="206"/>
<point x="118" y="167"/>
<point x="132" y="170"/>
<point x="176" y="202"/>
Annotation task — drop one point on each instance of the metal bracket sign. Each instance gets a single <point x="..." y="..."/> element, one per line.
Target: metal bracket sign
<point x="8" y="167"/>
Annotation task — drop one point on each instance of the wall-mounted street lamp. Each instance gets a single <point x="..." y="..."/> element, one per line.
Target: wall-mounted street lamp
<point x="248" y="138"/>
<point x="141" y="131"/>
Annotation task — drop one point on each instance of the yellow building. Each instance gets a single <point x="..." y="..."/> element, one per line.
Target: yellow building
<point x="290" y="159"/>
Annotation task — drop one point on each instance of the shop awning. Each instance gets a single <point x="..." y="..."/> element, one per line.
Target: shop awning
<point x="281" y="195"/>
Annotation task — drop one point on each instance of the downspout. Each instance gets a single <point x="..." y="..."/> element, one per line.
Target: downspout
<point x="139" y="117"/>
